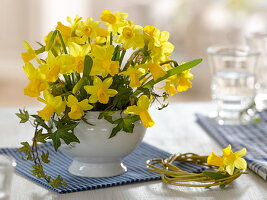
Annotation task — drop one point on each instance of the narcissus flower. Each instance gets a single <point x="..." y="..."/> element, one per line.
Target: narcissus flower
<point x="79" y="52"/>
<point x="87" y="28"/>
<point x="229" y="161"/>
<point x="134" y="74"/>
<point x="53" y="105"/>
<point x="155" y="69"/>
<point x="131" y="36"/>
<point x="234" y="160"/>
<point x="77" y="108"/>
<point x="29" y="54"/>
<point x="100" y="90"/>
<point x="102" y="61"/>
<point x="36" y="84"/>
<point x="54" y="65"/>
<point x="141" y="109"/>
<point x="114" y="20"/>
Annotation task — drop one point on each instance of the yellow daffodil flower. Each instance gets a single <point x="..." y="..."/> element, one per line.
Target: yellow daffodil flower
<point x="170" y="88"/>
<point x="100" y="90"/>
<point x="36" y="84"/>
<point x="79" y="52"/>
<point x="141" y="109"/>
<point x="215" y="160"/>
<point x="87" y="28"/>
<point x="29" y="54"/>
<point x="65" y="30"/>
<point x="114" y="21"/>
<point x="131" y="36"/>
<point x="77" y="108"/>
<point x="183" y="80"/>
<point x="102" y="61"/>
<point x="54" y="65"/>
<point x="229" y="161"/>
<point x="158" y="43"/>
<point x="134" y="74"/>
<point x="155" y="69"/>
<point x="53" y="105"/>
<point x="234" y="160"/>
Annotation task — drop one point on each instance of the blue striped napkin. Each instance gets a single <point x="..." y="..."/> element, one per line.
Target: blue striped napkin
<point x="251" y="136"/>
<point x="135" y="162"/>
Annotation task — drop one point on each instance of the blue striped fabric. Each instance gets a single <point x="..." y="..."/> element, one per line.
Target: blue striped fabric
<point x="251" y="136"/>
<point x="135" y="163"/>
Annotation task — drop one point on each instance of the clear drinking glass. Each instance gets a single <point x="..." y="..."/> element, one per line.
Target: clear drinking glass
<point x="258" y="42"/>
<point x="233" y="80"/>
<point x="7" y="166"/>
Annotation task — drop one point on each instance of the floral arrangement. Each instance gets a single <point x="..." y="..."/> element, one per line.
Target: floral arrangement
<point x="89" y="65"/>
<point x="220" y="170"/>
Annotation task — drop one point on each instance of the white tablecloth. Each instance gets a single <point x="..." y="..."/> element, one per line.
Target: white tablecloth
<point x="175" y="131"/>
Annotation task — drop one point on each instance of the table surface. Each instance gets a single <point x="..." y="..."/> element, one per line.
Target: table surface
<point x="175" y="131"/>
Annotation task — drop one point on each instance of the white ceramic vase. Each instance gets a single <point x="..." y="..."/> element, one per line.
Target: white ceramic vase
<point x="96" y="155"/>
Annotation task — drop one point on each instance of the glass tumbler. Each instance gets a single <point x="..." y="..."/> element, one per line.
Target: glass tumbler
<point x="233" y="80"/>
<point x="258" y="42"/>
<point x="7" y="166"/>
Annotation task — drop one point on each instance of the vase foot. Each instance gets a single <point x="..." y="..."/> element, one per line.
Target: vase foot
<point x="97" y="169"/>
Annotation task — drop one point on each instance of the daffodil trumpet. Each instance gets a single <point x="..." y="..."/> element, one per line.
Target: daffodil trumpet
<point x="105" y="65"/>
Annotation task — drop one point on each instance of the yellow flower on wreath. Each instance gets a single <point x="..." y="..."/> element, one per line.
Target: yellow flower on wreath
<point x="114" y="20"/>
<point x="100" y="91"/>
<point x="36" y="84"/>
<point x="77" y="108"/>
<point x="141" y="109"/>
<point x="53" y="105"/>
<point x="229" y="161"/>
<point x="131" y="36"/>
<point x="102" y="61"/>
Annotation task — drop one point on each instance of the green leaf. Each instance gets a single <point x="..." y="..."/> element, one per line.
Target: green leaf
<point x="65" y="132"/>
<point x="115" y="130"/>
<point x="23" y="115"/>
<point x="38" y="171"/>
<point x="26" y="149"/>
<point x="215" y="175"/>
<point x="57" y="182"/>
<point x="174" y="71"/>
<point x="41" y="122"/>
<point x="126" y="124"/>
<point x="39" y="137"/>
<point x="107" y="115"/>
<point x="62" y="41"/>
<point x="88" y="63"/>
<point x="52" y="40"/>
<point x="45" y="156"/>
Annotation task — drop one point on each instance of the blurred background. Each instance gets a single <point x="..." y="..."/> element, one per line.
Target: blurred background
<point x="193" y="24"/>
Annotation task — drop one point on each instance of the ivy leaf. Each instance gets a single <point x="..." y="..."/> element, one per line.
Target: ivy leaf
<point x="41" y="122"/>
<point x="38" y="171"/>
<point x="107" y="115"/>
<point x="39" y="137"/>
<point x="45" y="156"/>
<point x="57" y="182"/>
<point x="215" y="175"/>
<point x="126" y="124"/>
<point x="26" y="149"/>
<point x="23" y="115"/>
<point x="65" y="132"/>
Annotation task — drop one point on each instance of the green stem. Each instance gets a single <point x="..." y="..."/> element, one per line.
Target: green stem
<point x="122" y="56"/>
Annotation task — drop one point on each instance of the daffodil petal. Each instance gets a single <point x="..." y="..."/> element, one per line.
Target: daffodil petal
<point x="107" y="82"/>
<point x="230" y="169"/>
<point x="132" y="110"/>
<point x="241" y="152"/>
<point x="241" y="163"/>
<point x="143" y="102"/>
